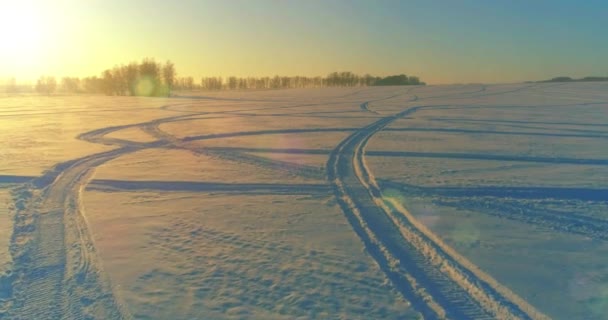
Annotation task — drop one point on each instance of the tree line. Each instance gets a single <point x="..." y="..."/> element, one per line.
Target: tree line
<point x="569" y="79"/>
<point x="147" y="78"/>
<point x="334" y="79"/>
<point x="151" y="78"/>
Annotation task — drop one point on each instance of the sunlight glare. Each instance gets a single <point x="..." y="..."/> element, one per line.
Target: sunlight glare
<point x="24" y="31"/>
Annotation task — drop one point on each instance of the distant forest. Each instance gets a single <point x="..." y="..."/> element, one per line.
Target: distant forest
<point x="568" y="79"/>
<point x="151" y="78"/>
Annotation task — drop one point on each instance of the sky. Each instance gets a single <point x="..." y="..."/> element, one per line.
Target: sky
<point x="450" y="41"/>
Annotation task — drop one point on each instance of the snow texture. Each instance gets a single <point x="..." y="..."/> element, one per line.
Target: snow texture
<point x="441" y="202"/>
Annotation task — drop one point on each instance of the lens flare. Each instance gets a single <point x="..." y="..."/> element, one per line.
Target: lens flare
<point x="145" y="87"/>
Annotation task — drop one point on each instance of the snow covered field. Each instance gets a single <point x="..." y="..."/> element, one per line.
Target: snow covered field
<point x="458" y="202"/>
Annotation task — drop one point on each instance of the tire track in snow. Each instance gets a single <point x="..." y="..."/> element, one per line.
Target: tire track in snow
<point x="365" y="105"/>
<point x="57" y="273"/>
<point x="439" y="282"/>
<point x="303" y="170"/>
<point x="564" y="222"/>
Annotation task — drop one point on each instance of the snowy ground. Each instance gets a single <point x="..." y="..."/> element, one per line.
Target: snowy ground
<point x="459" y="202"/>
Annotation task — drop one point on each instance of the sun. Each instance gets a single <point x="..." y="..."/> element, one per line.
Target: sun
<point x="24" y="31"/>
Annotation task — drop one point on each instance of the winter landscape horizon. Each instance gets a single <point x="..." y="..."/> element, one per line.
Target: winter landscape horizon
<point x="398" y="202"/>
<point x="303" y="160"/>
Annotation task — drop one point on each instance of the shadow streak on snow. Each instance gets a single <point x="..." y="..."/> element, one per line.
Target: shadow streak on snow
<point x="520" y="121"/>
<point x="271" y="150"/>
<point x="485" y="157"/>
<point x="583" y="194"/>
<point x="510" y="203"/>
<point x="211" y="98"/>
<point x="254" y="133"/>
<point x="440" y="155"/>
<point x="515" y="133"/>
<point x="10" y="179"/>
<point x="542" y="217"/>
<point x="320" y="115"/>
<point x="303" y="170"/>
<point x="193" y="186"/>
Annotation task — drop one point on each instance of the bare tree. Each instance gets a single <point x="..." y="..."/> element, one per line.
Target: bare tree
<point x="189" y="83"/>
<point x="232" y="83"/>
<point x="120" y="83"/>
<point x="149" y="73"/>
<point x="70" y="84"/>
<point x="92" y="85"/>
<point x="150" y="78"/>
<point x="107" y="82"/>
<point x="131" y="72"/>
<point x="11" y="85"/>
<point x="185" y="83"/>
<point x="169" y="75"/>
<point x="46" y="85"/>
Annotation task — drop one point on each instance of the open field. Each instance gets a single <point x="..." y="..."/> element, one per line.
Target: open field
<point x="434" y="202"/>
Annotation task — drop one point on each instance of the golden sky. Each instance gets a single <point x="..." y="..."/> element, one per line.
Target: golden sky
<point x="440" y="41"/>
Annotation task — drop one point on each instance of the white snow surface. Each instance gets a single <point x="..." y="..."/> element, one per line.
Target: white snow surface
<point x="459" y="202"/>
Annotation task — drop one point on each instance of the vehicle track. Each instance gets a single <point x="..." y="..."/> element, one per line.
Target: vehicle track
<point x="57" y="275"/>
<point x="572" y="223"/>
<point x="307" y="171"/>
<point x="439" y="282"/>
<point x="365" y="105"/>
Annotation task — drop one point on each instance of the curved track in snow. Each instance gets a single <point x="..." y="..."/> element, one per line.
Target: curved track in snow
<point x="438" y="281"/>
<point x="57" y="273"/>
